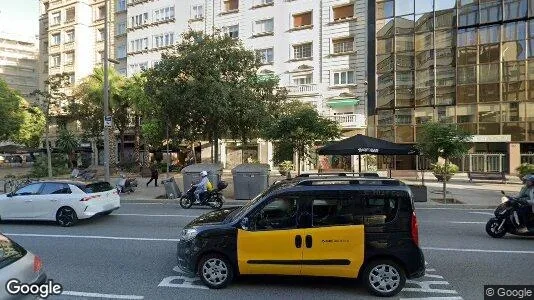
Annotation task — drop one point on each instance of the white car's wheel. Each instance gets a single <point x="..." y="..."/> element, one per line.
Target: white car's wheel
<point x="66" y="217"/>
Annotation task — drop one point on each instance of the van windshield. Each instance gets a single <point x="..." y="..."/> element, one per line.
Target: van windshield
<point x="238" y="213"/>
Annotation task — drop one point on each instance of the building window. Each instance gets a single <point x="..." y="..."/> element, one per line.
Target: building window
<point x="69" y="36"/>
<point x="263" y="2"/>
<point x="72" y="79"/>
<point x="56" y="61"/>
<point x="515" y="9"/>
<point x="121" y="51"/>
<point x="69" y="58"/>
<point x="302" y="51"/>
<point x="343" y="78"/>
<point x="121" y="5"/>
<point x="164" y="40"/>
<point x="303" y="79"/>
<point x="139" y="20"/>
<point x="101" y="13"/>
<point x="70" y="15"/>
<point x="56" y="39"/>
<point x="164" y="14"/>
<point x="197" y="12"/>
<point x="121" y="27"/>
<point x="100" y="35"/>
<point x="343" y="45"/>
<point x="264" y="26"/>
<point x="343" y="12"/>
<point x="266" y="56"/>
<point x="56" y="18"/>
<point x="231" y="31"/>
<point x="302" y="20"/>
<point x="230" y="5"/>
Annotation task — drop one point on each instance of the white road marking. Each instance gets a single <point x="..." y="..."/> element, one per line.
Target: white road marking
<point x="478" y="250"/>
<point x="482" y="213"/>
<point x="466" y="222"/>
<point x="98" y="237"/>
<point x="105" y="296"/>
<point x="186" y="284"/>
<point x="435" y="298"/>
<point x="451" y="208"/>
<point x="145" y="215"/>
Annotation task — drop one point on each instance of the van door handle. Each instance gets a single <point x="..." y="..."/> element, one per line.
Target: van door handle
<point x="309" y="241"/>
<point x="298" y="241"/>
<point x="53" y="200"/>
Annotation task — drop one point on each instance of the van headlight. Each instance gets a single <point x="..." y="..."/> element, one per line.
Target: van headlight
<point x="188" y="234"/>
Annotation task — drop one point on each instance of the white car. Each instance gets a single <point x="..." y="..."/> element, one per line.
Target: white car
<point x="62" y="201"/>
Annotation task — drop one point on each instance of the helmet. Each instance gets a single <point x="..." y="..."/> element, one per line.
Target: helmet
<point x="529" y="178"/>
<point x="203" y="173"/>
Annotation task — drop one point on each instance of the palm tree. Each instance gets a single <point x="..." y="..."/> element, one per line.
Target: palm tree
<point x="134" y="92"/>
<point x="67" y="144"/>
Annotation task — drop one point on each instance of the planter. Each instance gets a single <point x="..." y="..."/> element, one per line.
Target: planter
<point x="439" y="177"/>
<point x="419" y="192"/>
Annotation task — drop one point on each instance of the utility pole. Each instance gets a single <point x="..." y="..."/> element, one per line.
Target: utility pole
<point x="106" y="93"/>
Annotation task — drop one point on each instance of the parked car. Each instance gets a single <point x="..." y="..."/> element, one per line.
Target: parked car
<point x="65" y="202"/>
<point x="17" y="263"/>
<point x="334" y="227"/>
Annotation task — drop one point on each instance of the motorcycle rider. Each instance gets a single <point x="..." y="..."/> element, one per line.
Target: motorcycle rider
<point x="527" y="193"/>
<point x="202" y="186"/>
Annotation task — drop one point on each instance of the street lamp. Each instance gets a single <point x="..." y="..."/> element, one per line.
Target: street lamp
<point x="106" y="93"/>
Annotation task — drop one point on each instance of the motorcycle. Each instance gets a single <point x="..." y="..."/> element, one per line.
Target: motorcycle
<point x="126" y="185"/>
<point x="213" y="198"/>
<point x="507" y="220"/>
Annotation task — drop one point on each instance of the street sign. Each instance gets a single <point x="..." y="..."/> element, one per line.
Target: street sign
<point x="108" y="122"/>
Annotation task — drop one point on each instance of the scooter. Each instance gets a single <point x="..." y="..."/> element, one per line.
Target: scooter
<point x="214" y="199"/>
<point x="506" y="218"/>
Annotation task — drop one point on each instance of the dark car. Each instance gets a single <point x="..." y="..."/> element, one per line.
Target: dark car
<point x="334" y="227"/>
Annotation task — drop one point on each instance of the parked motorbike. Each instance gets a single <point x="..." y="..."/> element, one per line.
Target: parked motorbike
<point x="507" y="220"/>
<point x="126" y="185"/>
<point x="213" y="198"/>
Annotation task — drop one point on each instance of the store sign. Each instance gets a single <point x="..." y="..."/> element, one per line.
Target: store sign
<point x="369" y="150"/>
<point x="505" y="138"/>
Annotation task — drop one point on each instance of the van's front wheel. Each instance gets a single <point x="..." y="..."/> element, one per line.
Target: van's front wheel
<point x="384" y="278"/>
<point x="215" y="271"/>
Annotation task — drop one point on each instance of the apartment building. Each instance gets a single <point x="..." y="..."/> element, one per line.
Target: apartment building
<point x="318" y="49"/>
<point x="19" y="63"/>
<point x="455" y="61"/>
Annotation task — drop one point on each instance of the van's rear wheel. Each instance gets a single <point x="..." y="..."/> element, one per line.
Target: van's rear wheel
<point x="215" y="271"/>
<point x="384" y="278"/>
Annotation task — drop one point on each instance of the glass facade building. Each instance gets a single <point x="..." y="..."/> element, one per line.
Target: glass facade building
<point x="469" y="62"/>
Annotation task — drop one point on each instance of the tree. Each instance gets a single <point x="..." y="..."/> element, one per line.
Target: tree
<point x="32" y="128"/>
<point x="11" y="112"/>
<point x="134" y="92"/>
<point x="67" y="144"/>
<point x="50" y="100"/>
<point x="443" y="140"/>
<point x="208" y="88"/>
<point x="300" y="127"/>
<point x="88" y="108"/>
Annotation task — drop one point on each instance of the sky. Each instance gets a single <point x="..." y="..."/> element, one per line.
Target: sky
<point x="20" y="17"/>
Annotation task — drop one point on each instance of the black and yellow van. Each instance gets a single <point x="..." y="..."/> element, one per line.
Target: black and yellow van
<point x="336" y="227"/>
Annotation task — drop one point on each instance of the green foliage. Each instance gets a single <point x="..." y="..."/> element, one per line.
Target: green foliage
<point x="300" y="127"/>
<point x="525" y="169"/>
<point x="11" y="112"/>
<point x="67" y="142"/>
<point x="440" y="169"/>
<point x="286" y="166"/>
<point x="443" y="140"/>
<point x="59" y="163"/>
<point x="282" y="152"/>
<point x="32" y="128"/>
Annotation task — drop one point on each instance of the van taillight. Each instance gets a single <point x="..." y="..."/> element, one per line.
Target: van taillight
<point x="37" y="264"/>
<point x="415" y="229"/>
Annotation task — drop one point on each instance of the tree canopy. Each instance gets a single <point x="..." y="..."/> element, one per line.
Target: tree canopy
<point x="443" y="140"/>
<point x="11" y="112"/>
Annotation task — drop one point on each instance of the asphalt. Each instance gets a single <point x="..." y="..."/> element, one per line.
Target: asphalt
<point x="131" y="255"/>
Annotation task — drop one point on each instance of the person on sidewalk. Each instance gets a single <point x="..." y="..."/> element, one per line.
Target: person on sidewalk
<point x="202" y="186"/>
<point x="153" y="175"/>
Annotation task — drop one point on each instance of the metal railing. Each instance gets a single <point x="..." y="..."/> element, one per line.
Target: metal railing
<point x="302" y="89"/>
<point x="527" y="158"/>
<point x="352" y="120"/>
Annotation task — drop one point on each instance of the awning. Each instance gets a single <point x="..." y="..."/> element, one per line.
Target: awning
<point x="342" y="102"/>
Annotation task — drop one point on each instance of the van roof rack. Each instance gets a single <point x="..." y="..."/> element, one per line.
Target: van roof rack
<point x="350" y="181"/>
<point x="341" y="174"/>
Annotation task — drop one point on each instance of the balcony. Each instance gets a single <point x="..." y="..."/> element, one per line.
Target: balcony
<point x="349" y="121"/>
<point x="300" y="90"/>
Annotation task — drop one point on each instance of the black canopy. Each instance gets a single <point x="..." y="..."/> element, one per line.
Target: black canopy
<point x="361" y="144"/>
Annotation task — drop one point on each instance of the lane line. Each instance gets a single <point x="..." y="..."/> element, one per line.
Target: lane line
<point x="436" y="298"/>
<point x="482" y="213"/>
<point x="98" y="295"/>
<point x="452" y="208"/>
<point x="478" y="250"/>
<point x="98" y="237"/>
<point x="145" y="215"/>
<point x="466" y="222"/>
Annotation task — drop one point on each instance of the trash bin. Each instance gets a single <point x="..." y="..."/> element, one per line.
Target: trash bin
<point x="172" y="191"/>
<point x="191" y="173"/>
<point x="250" y="180"/>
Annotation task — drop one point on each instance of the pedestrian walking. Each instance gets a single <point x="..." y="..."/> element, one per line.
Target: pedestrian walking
<point x="153" y="175"/>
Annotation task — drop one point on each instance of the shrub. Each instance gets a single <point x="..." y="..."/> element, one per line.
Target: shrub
<point x="285" y="166"/>
<point x="439" y="169"/>
<point x="525" y="169"/>
<point x="59" y="166"/>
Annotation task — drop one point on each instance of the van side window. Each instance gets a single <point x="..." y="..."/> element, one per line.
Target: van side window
<point x="381" y="207"/>
<point x="280" y="213"/>
<point x="336" y="209"/>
